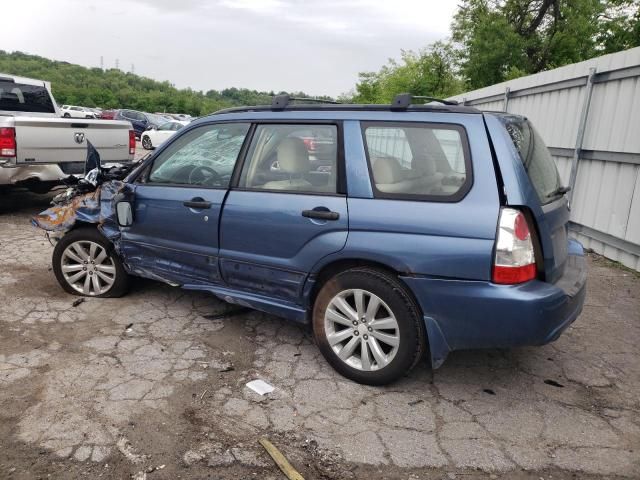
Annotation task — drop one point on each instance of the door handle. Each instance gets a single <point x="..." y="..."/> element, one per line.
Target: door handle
<point x="197" y="203"/>
<point x="321" y="214"/>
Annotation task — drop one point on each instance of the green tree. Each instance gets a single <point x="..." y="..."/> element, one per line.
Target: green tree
<point x="429" y="72"/>
<point x="501" y="39"/>
<point x="93" y="87"/>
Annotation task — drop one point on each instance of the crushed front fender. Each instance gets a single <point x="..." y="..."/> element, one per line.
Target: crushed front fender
<point x="96" y="207"/>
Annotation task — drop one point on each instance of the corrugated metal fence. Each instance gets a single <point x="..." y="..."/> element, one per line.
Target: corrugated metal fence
<point x="589" y="115"/>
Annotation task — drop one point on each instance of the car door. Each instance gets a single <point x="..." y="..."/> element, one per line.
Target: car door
<point x="284" y="214"/>
<point x="174" y="235"/>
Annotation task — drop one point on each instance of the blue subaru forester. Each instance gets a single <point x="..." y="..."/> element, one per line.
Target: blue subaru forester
<point x="390" y="229"/>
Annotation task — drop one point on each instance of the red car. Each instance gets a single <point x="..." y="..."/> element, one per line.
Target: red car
<point x="108" y="114"/>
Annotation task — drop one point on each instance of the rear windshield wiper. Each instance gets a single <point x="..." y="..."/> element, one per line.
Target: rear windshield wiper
<point x="558" y="191"/>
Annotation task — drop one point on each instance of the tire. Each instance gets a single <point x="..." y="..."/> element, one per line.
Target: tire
<point x="66" y="115"/>
<point x="146" y="143"/>
<point x="110" y="267"/>
<point x="386" y="363"/>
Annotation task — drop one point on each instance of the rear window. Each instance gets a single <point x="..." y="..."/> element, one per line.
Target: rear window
<point x="17" y="97"/>
<point x="536" y="159"/>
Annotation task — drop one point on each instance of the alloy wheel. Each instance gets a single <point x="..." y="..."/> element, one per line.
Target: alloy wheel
<point x="361" y="329"/>
<point x="88" y="268"/>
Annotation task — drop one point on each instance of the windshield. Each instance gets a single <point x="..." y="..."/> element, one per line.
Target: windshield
<point x="18" y="97"/>
<point x="536" y="158"/>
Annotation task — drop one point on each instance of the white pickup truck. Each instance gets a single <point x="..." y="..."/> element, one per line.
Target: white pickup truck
<point x="38" y="148"/>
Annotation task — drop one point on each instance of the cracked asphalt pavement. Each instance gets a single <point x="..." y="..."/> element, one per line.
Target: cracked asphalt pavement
<point x="152" y="385"/>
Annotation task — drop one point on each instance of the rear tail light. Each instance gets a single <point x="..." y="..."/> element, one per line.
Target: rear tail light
<point x="8" y="142"/>
<point x="132" y="142"/>
<point x="515" y="260"/>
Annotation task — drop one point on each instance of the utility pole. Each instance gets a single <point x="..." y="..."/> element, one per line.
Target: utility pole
<point x="101" y="62"/>
<point x="133" y="68"/>
<point x="117" y="64"/>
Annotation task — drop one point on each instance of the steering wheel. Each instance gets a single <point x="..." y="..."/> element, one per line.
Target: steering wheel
<point x="213" y="177"/>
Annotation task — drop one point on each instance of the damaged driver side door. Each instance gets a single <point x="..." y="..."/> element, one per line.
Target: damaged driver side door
<point x="178" y="199"/>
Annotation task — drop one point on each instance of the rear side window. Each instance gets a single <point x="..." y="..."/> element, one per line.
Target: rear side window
<point x="18" y="97"/>
<point x="418" y="161"/>
<point x="536" y="159"/>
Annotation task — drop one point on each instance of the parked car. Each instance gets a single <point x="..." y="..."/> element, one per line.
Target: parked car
<point x="153" y="137"/>
<point x="73" y="111"/>
<point x="166" y="116"/>
<point x="435" y="228"/>
<point x="140" y="120"/>
<point x="180" y="117"/>
<point x="38" y="148"/>
<point x="108" y="114"/>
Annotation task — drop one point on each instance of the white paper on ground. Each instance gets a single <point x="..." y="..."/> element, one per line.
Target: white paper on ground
<point x="260" y="387"/>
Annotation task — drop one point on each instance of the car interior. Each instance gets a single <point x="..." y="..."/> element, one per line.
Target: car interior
<point x="416" y="160"/>
<point x="280" y="159"/>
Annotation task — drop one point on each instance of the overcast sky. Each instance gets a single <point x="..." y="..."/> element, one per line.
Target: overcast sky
<point x="318" y="46"/>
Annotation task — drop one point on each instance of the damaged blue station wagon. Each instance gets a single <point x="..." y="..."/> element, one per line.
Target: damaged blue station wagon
<point x="391" y="229"/>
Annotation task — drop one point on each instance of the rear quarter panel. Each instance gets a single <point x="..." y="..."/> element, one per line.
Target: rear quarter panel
<point x="439" y="239"/>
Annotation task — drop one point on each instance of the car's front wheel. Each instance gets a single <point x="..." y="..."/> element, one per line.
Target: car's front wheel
<point x="368" y="327"/>
<point x="146" y="143"/>
<point x="85" y="263"/>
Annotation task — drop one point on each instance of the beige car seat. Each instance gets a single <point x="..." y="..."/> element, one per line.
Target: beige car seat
<point x="293" y="159"/>
<point x="390" y="177"/>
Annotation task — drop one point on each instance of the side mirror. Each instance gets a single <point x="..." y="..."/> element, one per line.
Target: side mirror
<point x="124" y="214"/>
<point x="150" y="127"/>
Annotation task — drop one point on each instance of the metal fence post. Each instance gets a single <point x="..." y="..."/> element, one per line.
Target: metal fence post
<point x="580" y="136"/>
<point x="507" y="91"/>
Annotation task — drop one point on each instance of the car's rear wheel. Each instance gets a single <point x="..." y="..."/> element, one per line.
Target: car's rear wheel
<point x="368" y="327"/>
<point x="85" y="263"/>
<point x="146" y="143"/>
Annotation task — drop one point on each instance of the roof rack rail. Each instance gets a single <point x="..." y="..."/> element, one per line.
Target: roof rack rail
<point x="402" y="101"/>
<point x="280" y="102"/>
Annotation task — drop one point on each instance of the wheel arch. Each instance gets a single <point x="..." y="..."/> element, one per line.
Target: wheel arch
<point x="330" y="268"/>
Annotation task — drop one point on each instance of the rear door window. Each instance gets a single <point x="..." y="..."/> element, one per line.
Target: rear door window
<point x="292" y="158"/>
<point x="18" y="97"/>
<point x="537" y="160"/>
<point x="418" y="160"/>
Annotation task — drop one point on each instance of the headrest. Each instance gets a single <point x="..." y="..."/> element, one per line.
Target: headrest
<point x="387" y="170"/>
<point x="293" y="156"/>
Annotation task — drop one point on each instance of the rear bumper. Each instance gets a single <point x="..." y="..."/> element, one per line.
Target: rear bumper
<point x="45" y="172"/>
<point x="467" y="314"/>
<point x="29" y="173"/>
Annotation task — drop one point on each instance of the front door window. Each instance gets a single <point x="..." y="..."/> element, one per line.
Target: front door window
<point x="204" y="156"/>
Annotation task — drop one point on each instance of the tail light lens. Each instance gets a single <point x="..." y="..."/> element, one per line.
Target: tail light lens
<point x="515" y="260"/>
<point x="8" y="142"/>
<point x="132" y="142"/>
